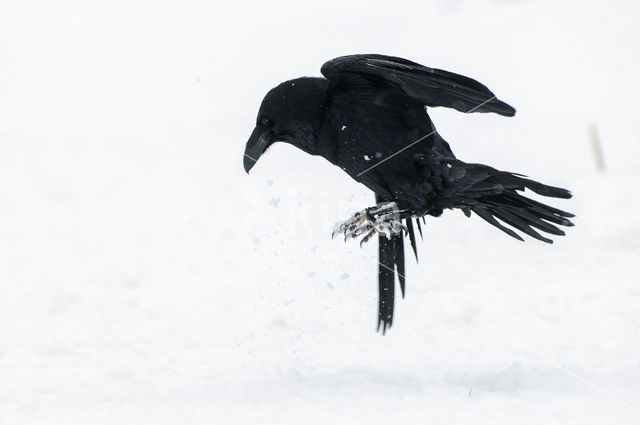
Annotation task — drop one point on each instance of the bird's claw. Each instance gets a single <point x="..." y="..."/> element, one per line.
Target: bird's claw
<point x="383" y="219"/>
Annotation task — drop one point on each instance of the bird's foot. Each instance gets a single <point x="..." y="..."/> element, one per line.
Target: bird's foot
<point x="384" y="218"/>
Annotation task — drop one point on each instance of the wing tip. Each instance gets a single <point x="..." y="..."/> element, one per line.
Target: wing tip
<point x="504" y="109"/>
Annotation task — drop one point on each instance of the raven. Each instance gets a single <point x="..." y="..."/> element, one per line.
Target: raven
<point x="368" y="116"/>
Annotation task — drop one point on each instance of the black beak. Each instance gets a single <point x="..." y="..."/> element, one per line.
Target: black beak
<point x="256" y="146"/>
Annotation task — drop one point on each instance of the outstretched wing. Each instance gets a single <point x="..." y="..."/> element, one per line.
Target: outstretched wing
<point x="432" y="87"/>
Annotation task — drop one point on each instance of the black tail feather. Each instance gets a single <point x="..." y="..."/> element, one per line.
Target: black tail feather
<point x="496" y="197"/>
<point x="515" y="221"/>
<point x="485" y="214"/>
<point x="516" y="210"/>
<point x="545" y="190"/>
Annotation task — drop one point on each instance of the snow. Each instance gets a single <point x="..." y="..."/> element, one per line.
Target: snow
<point x="145" y="278"/>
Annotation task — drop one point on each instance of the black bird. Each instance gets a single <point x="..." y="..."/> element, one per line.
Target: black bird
<point x="368" y="117"/>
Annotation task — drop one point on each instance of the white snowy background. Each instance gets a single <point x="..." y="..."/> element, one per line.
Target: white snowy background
<point x="146" y="279"/>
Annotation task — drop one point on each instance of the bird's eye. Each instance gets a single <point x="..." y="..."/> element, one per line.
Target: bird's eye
<point x="265" y="122"/>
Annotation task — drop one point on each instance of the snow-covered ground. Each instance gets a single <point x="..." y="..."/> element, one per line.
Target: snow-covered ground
<point x="145" y="278"/>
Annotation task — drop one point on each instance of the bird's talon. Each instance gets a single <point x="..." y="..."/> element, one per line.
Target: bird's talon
<point x="367" y="237"/>
<point x="383" y="219"/>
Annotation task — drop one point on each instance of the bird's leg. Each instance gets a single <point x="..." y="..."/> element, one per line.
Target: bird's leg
<point x="383" y="218"/>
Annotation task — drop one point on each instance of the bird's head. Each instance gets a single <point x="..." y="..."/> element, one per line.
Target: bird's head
<point x="291" y="112"/>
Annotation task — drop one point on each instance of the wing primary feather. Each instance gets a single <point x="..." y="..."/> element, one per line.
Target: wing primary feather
<point x="412" y="236"/>
<point x="398" y="253"/>
<point x="431" y="86"/>
<point x="386" y="281"/>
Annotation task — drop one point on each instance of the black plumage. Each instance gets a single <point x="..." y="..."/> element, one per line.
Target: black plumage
<point x="368" y="117"/>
